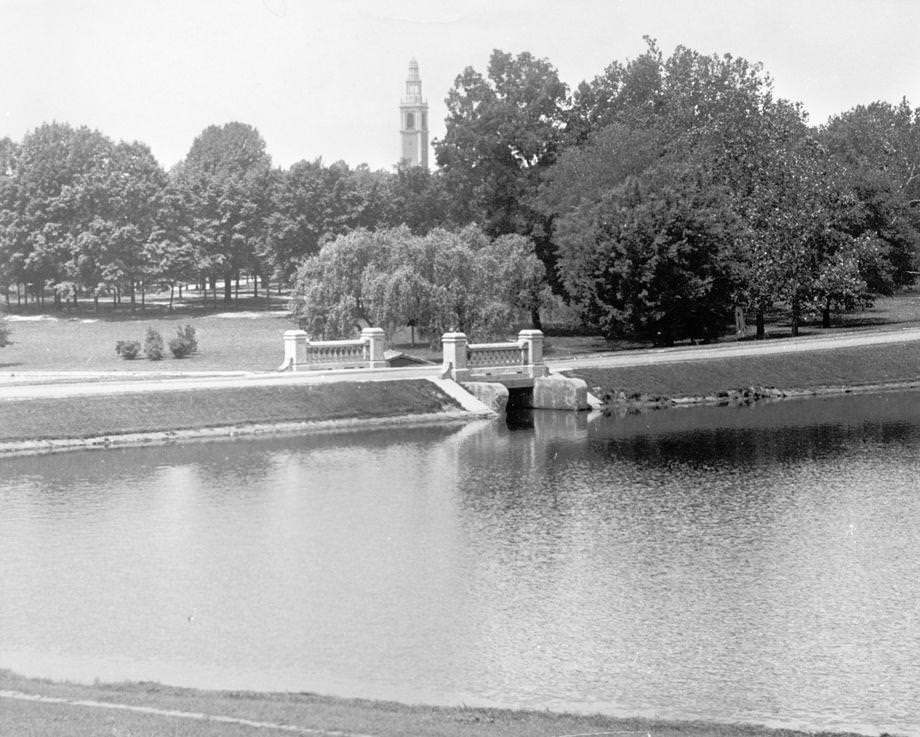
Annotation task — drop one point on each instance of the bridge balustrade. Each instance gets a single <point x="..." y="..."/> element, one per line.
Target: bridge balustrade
<point x="301" y="353"/>
<point x="520" y="360"/>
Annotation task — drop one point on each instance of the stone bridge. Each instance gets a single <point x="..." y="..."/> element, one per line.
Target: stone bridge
<point x="489" y="371"/>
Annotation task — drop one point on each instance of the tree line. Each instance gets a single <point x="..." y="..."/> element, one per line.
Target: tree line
<point x="659" y="199"/>
<point x="669" y="193"/>
<point x="84" y="216"/>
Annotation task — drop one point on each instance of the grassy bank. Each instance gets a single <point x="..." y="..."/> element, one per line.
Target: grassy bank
<point x="96" y="416"/>
<point x="841" y="367"/>
<point x="300" y="714"/>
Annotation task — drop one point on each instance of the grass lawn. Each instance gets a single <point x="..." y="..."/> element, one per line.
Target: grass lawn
<point x="888" y="313"/>
<point x="93" y="416"/>
<point x="247" y="336"/>
<point x="875" y="364"/>
<point x="304" y="714"/>
<point x="241" y="338"/>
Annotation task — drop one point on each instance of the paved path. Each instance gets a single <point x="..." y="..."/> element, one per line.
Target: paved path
<point x="25" y="385"/>
<point x="731" y="350"/>
<point x="62" y="385"/>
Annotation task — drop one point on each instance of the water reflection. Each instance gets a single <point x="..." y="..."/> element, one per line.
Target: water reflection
<point x="752" y="564"/>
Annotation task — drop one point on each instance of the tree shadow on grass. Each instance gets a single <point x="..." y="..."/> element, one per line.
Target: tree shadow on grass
<point x="13" y="364"/>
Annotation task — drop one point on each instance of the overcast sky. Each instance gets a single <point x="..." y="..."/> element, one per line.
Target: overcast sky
<point x="324" y="79"/>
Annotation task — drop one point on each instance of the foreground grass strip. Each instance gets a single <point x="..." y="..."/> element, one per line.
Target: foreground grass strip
<point x="154" y="710"/>
<point x="876" y="364"/>
<point x="122" y="414"/>
<point x="19" y="696"/>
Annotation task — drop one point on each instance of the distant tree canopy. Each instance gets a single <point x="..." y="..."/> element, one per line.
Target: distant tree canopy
<point x="657" y="199"/>
<point x="77" y="211"/>
<point x="81" y="214"/>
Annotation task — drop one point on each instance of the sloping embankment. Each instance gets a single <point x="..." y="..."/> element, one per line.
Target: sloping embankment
<point x="745" y="378"/>
<point x="39" y="424"/>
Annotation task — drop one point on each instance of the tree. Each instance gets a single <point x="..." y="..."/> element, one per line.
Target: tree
<point x="656" y="258"/>
<point x="328" y="288"/>
<point x="877" y="148"/>
<point x="8" y="220"/>
<point x="511" y="261"/>
<point x="417" y="198"/>
<point x="302" y="213"/>
<point x="801" y="236"/>
<point x="225" y="182"/>
<point x="134" y="189"/>
<point x="172" y="254"/>
<point x="58" y="188"/>
<point x="503" y="130"/>
<point x="444" y="280"/>
<point x="77" y="210"/>
<point x="805" y="254"/>
<point x="313" y="202"/>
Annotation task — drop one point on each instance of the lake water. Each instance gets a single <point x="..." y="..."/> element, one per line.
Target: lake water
<point x="751" y="564"/>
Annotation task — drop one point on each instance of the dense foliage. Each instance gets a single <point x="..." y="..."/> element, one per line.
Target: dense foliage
<point x="688" y="190"/>
<point x="659" y="199"/>
<point x="438" y="282"/>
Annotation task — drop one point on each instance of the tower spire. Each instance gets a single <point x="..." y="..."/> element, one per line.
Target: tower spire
<point x="413" y="112"/>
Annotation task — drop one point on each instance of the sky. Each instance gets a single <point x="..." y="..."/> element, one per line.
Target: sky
<point x="324" y="79"/>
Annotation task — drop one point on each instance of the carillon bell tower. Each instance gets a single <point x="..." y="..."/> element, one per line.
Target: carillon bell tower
<point x="413" y="112"/>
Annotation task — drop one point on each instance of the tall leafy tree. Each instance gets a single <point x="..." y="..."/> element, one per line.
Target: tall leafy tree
<point x="225" y="180"/>
<point x="877" y="148"/>
<point x="313" y="202"/>
<point x="8" y="208"/>
<point x="503" y="129"/>
<point x="79" y="210"/>
<point x="655" y="258"/>
<point x="417" y="198"/>
<point x="59" y="190"/>
<point x="756" y="172"/>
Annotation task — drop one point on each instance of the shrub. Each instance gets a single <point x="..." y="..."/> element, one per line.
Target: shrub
<point x="128" y="349"/>
<point x="185" y="343"/>
<point x="189" y="334"/>
<point x="4" y="334"/>
<point x="181" y="347"/>
<point x="153" y="345"/>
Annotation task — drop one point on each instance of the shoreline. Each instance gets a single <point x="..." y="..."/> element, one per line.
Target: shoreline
<point x="228" y="432"/>
<point x="611" y="405"/>
<point x="135" y="707"/>
<point x="748" y="396"/>
<point x="89" y="417"/>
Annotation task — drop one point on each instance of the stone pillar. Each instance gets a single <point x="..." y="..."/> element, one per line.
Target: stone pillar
<point x="533" y="339"/>
<point x="375" y="339"/>
<point x="454" y="348"/>
<point x="295" y="349"/>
